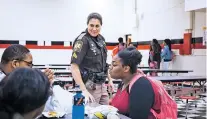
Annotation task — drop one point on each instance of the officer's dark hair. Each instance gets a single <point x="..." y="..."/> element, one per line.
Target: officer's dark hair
<point x="168" y="43"/>
<point x="95" y="16"/>
<point x="131" y="57"/>
<point x="120" y="39"/>
<point x="23" y="91"/>
<point x="14" y="52"/>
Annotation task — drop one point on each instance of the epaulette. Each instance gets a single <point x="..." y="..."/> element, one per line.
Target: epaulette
<point x="81" y="35"/>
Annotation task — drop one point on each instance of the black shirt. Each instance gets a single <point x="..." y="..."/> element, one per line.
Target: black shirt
<point x="141" y="99"/>
<point x="90" y="53"/>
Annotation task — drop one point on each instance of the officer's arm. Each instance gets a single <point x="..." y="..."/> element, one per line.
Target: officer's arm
<point x="79" y="51"/>
<point x="77" y="76"/>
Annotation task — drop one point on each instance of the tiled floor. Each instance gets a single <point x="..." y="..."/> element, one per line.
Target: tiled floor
<point x="198" y="112"/>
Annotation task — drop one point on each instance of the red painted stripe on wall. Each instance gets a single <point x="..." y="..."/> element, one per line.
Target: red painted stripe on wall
<point x="40" y="47"/>
<point x="140" y="47"/>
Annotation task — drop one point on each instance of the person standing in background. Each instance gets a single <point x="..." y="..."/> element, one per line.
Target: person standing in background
<point x="88" y="61"/>
<point x="154" y="54"/>
<point x="121" y="44"/>
<point x="128" y="41"/>
<point x="166" y="54"/>
<point x="118" y="48"/>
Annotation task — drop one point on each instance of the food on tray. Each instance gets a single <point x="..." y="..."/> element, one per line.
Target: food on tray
<point x="52" y="114"/>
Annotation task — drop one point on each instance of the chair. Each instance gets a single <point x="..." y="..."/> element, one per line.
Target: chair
<point x="202" y="96"/>
<point x="187" y="98"/>
<point x="187" y="94"/>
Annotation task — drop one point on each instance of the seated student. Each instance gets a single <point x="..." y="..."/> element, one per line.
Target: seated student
<point x="142" y="97"/>
<point x="24" y="93"/>
<point x="18" y="56"/>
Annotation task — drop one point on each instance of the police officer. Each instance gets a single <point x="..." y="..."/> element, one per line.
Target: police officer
<point x="88" y="61"/>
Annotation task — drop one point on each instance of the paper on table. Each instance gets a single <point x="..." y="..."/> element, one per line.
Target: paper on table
<point x="60" y="101"/>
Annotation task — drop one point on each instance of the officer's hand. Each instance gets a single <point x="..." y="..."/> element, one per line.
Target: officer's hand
<point x="67" y="86"/>
<point x="50" y="74"/>
<point x="88" y="97"/>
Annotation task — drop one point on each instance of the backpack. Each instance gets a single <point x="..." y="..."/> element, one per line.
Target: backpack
<point x="164" y="106"/>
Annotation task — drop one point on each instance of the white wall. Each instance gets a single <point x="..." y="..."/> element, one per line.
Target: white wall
<point x="57" y="20"/>
<point x="165" y="19"/>
<point x="200" y="22"/>
<point x="195" y="4"/>
<point x="195" y="62"/>
<point x="161" y="19"/>
<point x="63" y="20"/>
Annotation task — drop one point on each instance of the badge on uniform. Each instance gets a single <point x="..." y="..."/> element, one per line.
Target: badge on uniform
<point x="75" y="55"/>
<point x="78" y="46"/>
<point x="104" y="42"/>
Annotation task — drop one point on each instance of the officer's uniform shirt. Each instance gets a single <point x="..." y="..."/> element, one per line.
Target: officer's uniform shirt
<point x="90" y="53"/>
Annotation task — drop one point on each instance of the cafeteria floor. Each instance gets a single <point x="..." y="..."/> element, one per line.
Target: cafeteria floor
<point x="198" y="112"/>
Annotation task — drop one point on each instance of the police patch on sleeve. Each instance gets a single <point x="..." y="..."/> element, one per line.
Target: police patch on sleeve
<point x="75" y="55"/>
<point x="104" y="42"/>
<point x="78" y="46"/>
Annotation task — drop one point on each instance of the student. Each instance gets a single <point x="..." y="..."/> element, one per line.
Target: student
<point x="24" y="93"/>
<point x="166" y="54"/>
<point x="154" y="53"/>
<point x="18" y="56"/>
<point x="119" y="47"/>
<point x="143" y="99"/>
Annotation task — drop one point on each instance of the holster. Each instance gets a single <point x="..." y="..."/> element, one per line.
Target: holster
<point x="99" y="78"/>
<point x="95" y="77"/>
